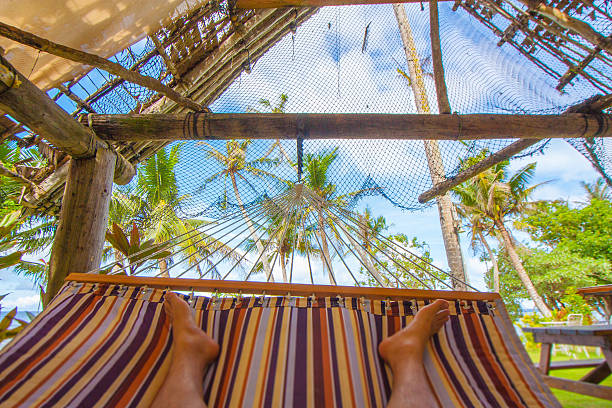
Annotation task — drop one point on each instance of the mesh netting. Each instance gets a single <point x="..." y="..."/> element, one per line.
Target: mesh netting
<point x="351" y="60"/>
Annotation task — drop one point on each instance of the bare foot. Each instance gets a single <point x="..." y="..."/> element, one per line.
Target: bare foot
<point x="189" y="340"/>
<point x="410" y="342"/>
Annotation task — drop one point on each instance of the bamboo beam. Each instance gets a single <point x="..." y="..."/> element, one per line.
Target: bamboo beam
<point x="82" y="57"/>
<point x="79" y="238"/>
<point x="479" y="167"/>
<point x="257" y="4"/>
<point x="226" y="126"/>
<point x="591" y="105"/>
<point x="29" y="105"/>
<point x="81" y="104"/>
<point x="436" y="58"/>
<point x="575" y="70"/>
<point x="564" y="20"/>
<point x="281" y="289"/>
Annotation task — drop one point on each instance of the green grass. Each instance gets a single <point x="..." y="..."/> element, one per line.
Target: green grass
<point x="570" y="399"/>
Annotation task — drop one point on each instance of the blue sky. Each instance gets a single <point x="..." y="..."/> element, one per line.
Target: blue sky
<point x="324" y="69"/>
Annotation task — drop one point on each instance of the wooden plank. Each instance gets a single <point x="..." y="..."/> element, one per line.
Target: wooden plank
<point x="596" y="290"/>
<point x="255" y="4"/>
<point x="593" y="390"/>
<point x="577" y="340"/>
<point x="30" y="106"/>
<point x="562" y="365"/>
<point x="597" y="374"/>
<point x="79" y="238"/>
<point x="226" y="126"/>
<point x="268" y="288"/>
<point x="596" y="329"/>
<point x="93" y="60"/>
<point x="544" y="365"/>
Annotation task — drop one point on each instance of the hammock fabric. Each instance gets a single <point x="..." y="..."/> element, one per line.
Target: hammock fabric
<point x="110" y="345"/>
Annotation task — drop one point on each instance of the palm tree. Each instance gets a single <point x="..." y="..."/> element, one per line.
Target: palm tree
<point x="478" y="227"/>
<point x="598" y="190"/>
<point x="317" y="167"/>
<point x="154" y="206"/>
<point x="495" y="195"/>
<point x="289" y="233"/>
<point x="234" y="165"/>
<point x="278" y="108"/>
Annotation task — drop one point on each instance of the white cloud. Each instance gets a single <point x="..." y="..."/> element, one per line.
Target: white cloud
<point x="22" y="303"/>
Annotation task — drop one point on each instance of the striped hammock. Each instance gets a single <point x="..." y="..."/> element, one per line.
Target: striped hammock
<point x="108" y="345"/>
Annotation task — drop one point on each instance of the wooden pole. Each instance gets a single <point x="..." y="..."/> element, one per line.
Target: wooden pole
<point x="82" y="57"/>
<point x="436" y="58"/>
<point x="489" y="161"/>
<point x="448" y="223"/>
<point x="79" y="238"/>
<point x="592" y="105"/>
<point x="29" y="105"/>
<point x="227" y="126"/>
<point x="281" y="289"/>
<point x="257" y="4"/>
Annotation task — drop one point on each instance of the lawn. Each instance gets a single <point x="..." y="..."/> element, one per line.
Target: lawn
<point x="570" y="399"/>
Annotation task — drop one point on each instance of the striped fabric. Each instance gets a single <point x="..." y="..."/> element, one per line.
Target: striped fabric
<point x="110" y="346"/>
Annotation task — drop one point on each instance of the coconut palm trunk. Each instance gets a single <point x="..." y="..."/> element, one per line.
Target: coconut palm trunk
<point x="283" y="259"/>
<point x="493" y="260"/>
<point x="507" y="242"/>
<point x="163" y="268"/>
<point x="325" y="258"/>
<point x="258" y="244"/>
<point x="448" y="223"/>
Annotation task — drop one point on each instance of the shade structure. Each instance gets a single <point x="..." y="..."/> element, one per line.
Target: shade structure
<point x="110" y="345"/>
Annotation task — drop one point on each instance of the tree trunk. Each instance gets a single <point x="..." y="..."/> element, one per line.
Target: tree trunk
<point x="258" y="244"/>
<point x="434" y="160"/>
<point x="493" y="260"/>
<point x="325" y="258"/>
<point x="522" y="273"/>
<point x="163" y="268"/>
<point x="119" y="258"/>
<point x="283" y="266"/>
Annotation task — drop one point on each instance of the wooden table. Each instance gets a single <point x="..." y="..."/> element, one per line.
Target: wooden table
<point x="602" y="291"/>
<point x="594" y="336"/>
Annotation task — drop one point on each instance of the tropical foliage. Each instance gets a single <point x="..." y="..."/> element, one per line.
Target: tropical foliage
<point x="151" y="211"/>
<point x="552" y="272"/>
<point x="586" y="231"/>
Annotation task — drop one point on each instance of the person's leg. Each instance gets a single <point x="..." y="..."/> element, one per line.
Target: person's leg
<point x="404" y="353"/>
<point x="192" y="351"/>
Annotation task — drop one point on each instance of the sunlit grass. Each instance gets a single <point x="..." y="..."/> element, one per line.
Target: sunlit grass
<point x="570" y="399"/>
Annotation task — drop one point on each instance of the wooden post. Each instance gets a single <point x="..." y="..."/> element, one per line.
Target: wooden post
<point x="83" y="218"/>
<point x="448" y="222"/>
<point x="82" y="57"/>
<point x="436" y="58"/>
<point x="29" y="105"/>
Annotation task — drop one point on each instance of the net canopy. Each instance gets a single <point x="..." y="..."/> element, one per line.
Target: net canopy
<point x="499" y="57"/>
<point x="351" y="60"/>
